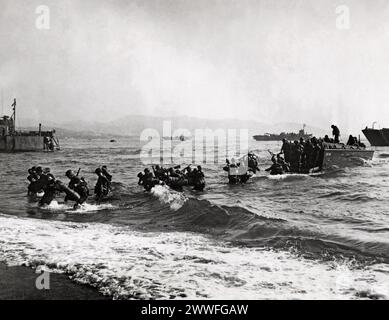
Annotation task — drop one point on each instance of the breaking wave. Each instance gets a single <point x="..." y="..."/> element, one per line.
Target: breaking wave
<point x="126" y="264"/>
<point x="239" y="225"/>
<point x="166" y="195"/>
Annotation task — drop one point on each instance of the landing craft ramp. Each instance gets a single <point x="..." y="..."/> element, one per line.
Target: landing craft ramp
<point x="377" y="137"/>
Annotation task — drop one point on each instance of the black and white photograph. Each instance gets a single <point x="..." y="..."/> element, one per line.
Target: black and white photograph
<point x="194" y="151"/>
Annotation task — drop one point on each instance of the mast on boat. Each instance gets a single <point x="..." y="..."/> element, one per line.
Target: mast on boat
<point x="14" y="115"/>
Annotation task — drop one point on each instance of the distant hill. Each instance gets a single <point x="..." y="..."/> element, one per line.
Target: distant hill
<point x="134" y="125"/>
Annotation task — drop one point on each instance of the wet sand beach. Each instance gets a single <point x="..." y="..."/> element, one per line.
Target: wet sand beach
<point x="18" y="283"/>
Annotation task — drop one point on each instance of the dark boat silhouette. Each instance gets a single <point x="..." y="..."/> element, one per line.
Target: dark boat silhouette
<point x="290" y="136"/>
<point x="181" y="138"/>
<point x="12" y="140"/>
<point x="339" y="155"/>
<point x="377" y="137"/>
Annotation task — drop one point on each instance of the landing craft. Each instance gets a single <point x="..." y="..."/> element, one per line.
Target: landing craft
<point x="339" y="155"/>
<point x="12" y="140"/>
<point x="181" y="138"/>
<point x="342" y="156"/>
<point x="322" y="155"/>
<point x="283" y="135"/>
<point x="377" y="137"/>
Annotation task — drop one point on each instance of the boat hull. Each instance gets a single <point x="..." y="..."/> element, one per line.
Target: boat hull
<point x="346" y="157"/>
<point x="377" y="137"/>
<point x="280" y="137"/>
<point x="21" y="143"/>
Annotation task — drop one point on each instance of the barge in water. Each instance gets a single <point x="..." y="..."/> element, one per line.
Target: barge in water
<point x="284" y="135"/>
<point x="340" y="155"/>
<point x="12" y="140"/>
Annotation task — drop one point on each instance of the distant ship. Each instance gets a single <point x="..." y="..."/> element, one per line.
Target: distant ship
<point x="181" y="138"/>
<point x="291" y="136"/>
<point x="12" y="140"/>
<point x="377" y="137"/>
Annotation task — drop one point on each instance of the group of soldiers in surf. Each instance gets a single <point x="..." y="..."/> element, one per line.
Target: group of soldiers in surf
<point x="174" y="177"/>
<point x="303" y="156"/>
<point x="298" y="157"/>
<point x="243" y="170"/>
<point x="42" y="180"/>
<point x="295" y="157"/>
<point x="177" y="178"/>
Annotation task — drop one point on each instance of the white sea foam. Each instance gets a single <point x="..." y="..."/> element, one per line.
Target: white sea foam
<point x="287" y="176"/>
<point x="169" y="196"/>
<point x="124" y="263"/>
<point x="293" y="176"/>
<point x="54" y="206"/>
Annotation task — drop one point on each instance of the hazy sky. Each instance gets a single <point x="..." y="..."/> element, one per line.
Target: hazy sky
<point x="271" y="60"/>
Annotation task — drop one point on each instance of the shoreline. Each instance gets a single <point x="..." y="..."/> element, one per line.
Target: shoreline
<point x="18" y="283"/>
